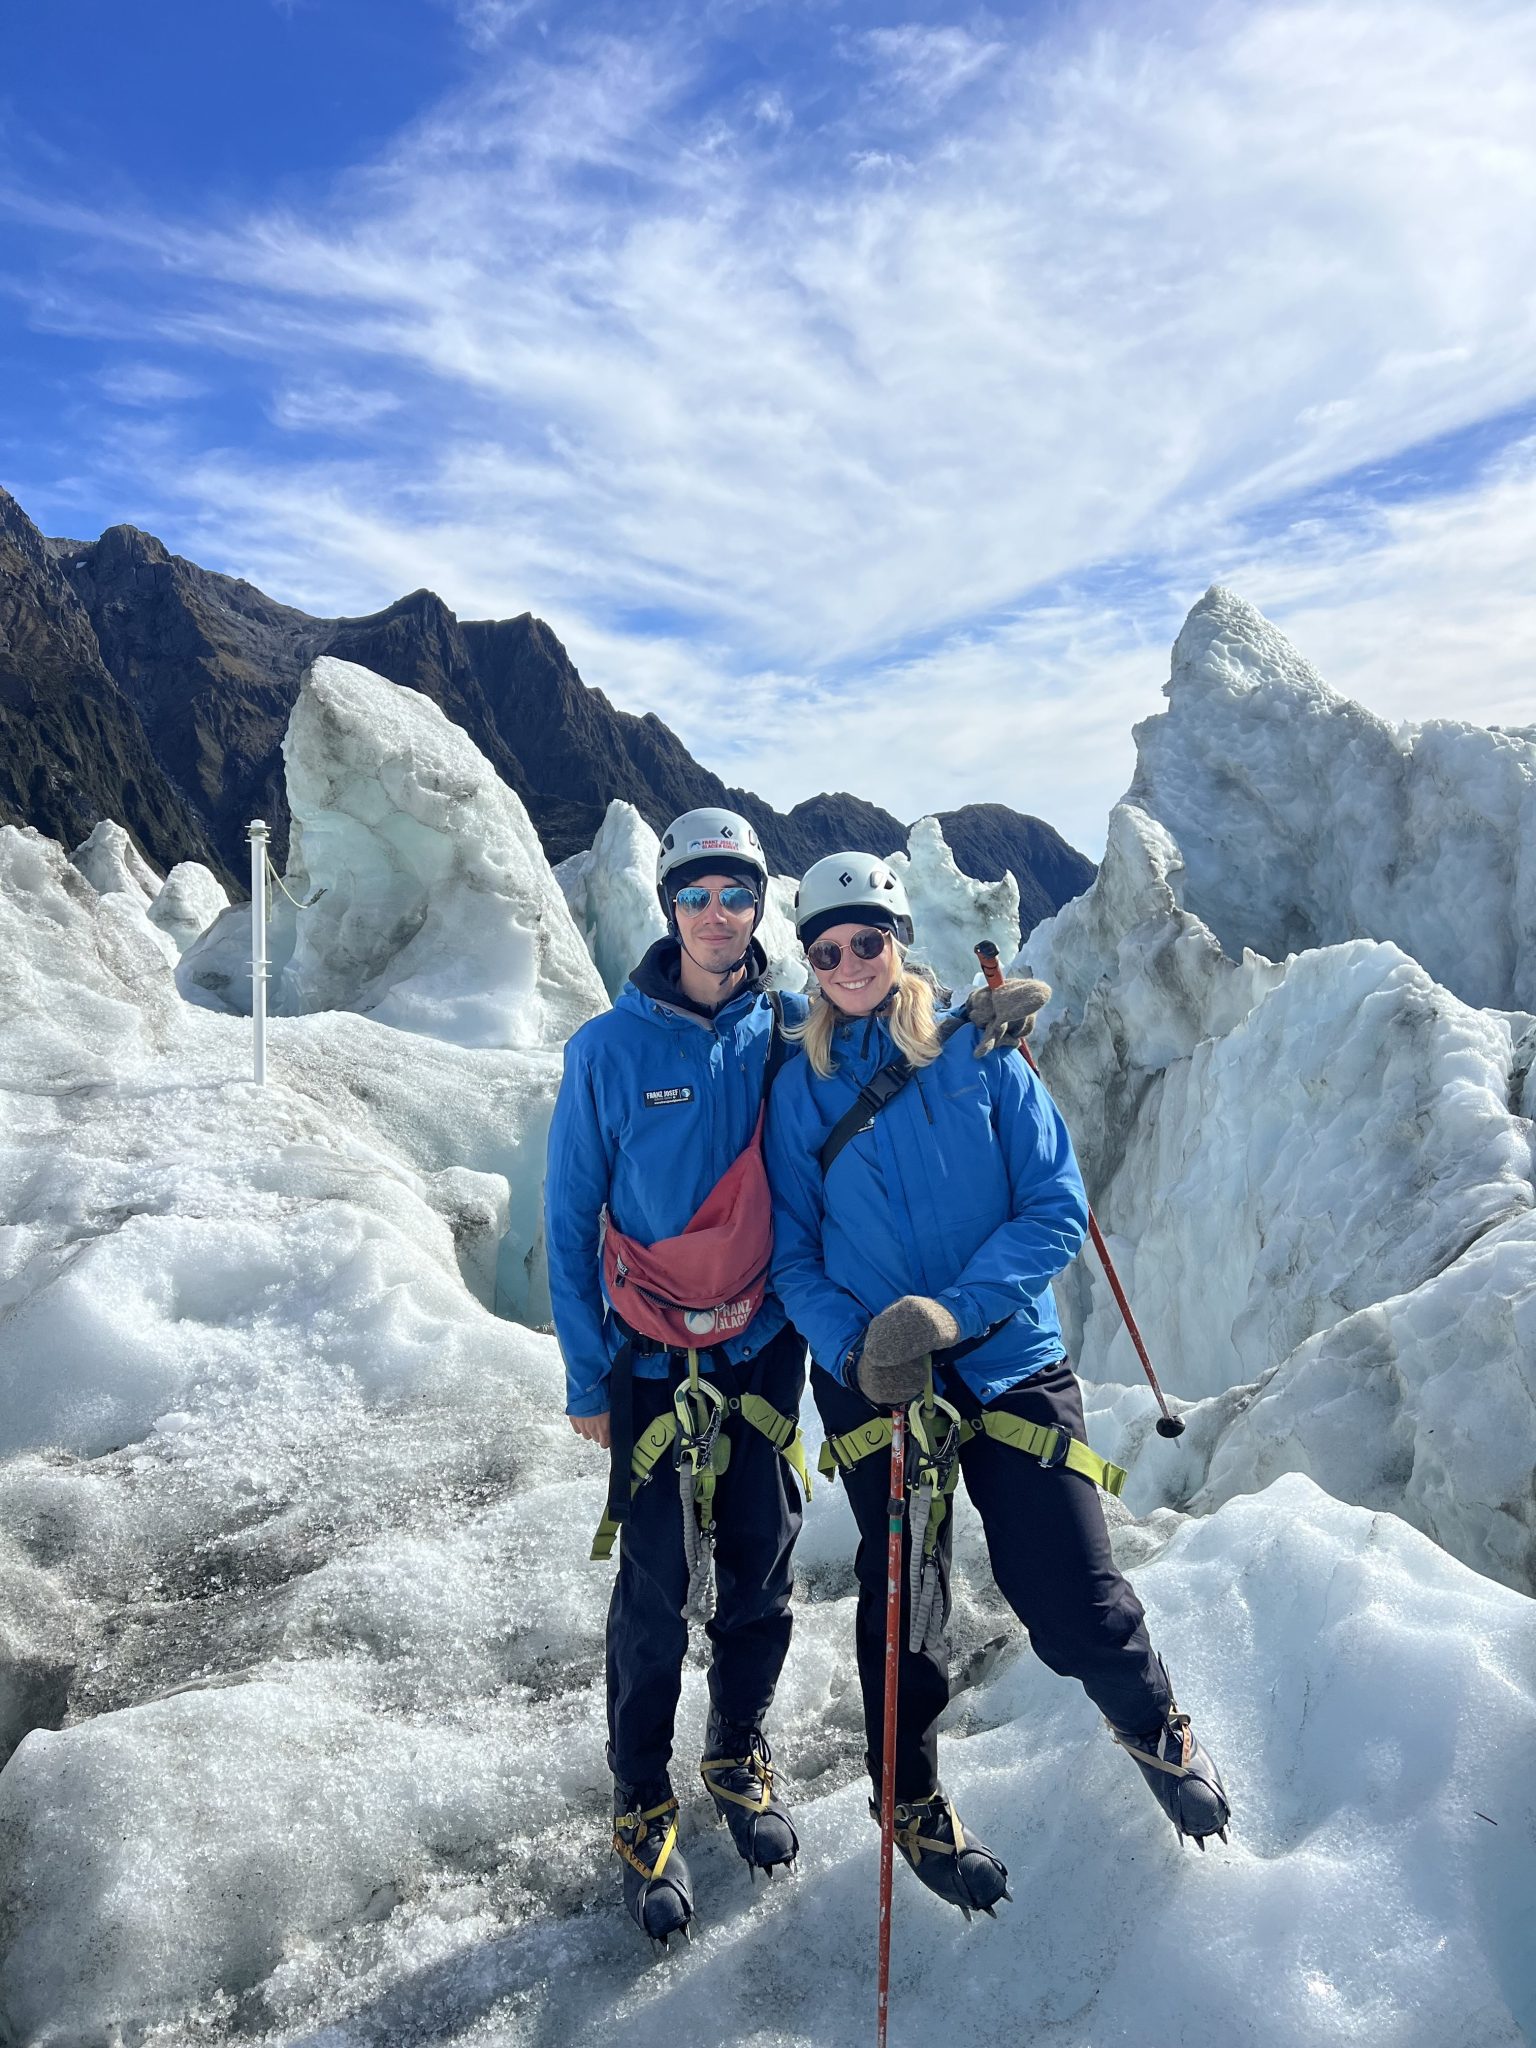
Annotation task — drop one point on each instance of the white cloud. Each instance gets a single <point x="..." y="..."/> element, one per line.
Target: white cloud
<point x="1142" y="280"/>
<point x="920" y="68"/>
<point x="148" y="384"/>
<point x="328" y="405"/>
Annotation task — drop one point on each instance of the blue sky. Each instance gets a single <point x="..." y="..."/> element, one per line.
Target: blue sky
<point x="868" y="389"/>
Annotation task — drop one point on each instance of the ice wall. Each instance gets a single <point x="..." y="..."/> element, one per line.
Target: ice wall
<point x="434" y="908"/>
<point x="1316" y="1176"/>
<point x="611" y="890"/>
<point x="950" y="911"/>
<point x="1303" y="819"/>
<point x="188" y="903"/>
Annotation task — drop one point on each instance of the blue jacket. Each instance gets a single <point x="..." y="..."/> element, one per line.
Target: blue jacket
<point x="656" y="1101"/>
<point x="965" y="1188"/>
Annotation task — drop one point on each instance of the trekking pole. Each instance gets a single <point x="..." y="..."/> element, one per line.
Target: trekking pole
<point x="897" y="1510"/>
<point x="1167" y="1424"/>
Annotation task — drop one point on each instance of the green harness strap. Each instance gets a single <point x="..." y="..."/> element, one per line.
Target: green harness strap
<point x="782" y="1431"/>
<point x="1051" y="1446"/>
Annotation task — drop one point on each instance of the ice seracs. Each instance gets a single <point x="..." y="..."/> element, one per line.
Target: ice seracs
<point x="1302" y="819"/>
<point x="189" y="901"/>
<point x="1316" y="1172"/>
<point x="611" y="889"/>
<point x="952" y="911"/>
<point x="433" y="907"/>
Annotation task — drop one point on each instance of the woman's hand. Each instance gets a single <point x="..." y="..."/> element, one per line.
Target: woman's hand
<point x="1005" y="1015"/>
<point x="893" y="1366"/>
<point x="595" y="1429"/>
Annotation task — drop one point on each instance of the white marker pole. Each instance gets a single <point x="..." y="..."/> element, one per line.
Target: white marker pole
<point x="258" y="837"/>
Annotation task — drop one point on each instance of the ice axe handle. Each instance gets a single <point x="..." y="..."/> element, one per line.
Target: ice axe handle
<point x="991" y="965"/>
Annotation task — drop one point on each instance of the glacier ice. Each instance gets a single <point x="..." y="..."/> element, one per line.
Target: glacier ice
<point x="298" y="1636"/>
<point x="1303" y="819"/>
<point x="190" y="898"/>
<point x="952" y="912"/>
<point x="611" y="889"/>
<point x="113" y="865"/>
<point x="1320" y="1140"/>
<point x="433" y="907"/>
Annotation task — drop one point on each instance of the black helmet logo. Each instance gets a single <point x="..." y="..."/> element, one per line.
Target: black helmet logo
<point x="845" y="879"/>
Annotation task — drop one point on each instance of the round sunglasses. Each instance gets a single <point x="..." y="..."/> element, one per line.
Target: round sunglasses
<point x="735" y="897"/>
<point x="825" y="953"/>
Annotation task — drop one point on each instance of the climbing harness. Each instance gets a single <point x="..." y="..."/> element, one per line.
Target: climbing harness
<point x="693" y="1430"/>
<point x="1053" y="1447"/>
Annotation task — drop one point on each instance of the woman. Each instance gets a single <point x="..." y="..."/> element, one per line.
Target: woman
<point x="922" y="1216"/>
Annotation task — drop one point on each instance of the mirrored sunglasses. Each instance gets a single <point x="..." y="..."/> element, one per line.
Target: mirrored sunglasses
<point x="735" y="897"/>
<point x="825" y="953"/>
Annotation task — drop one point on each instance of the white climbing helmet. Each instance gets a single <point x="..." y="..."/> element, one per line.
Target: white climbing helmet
<point x="845" y="886"/>
<point x="705" y="839"/>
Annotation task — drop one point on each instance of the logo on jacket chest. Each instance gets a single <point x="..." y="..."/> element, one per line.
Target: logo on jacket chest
<point x="666" y="1098"/>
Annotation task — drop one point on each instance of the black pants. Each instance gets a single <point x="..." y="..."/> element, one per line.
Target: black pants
<point x="1050" y="1555"/>
<point x="757" y="1517"/>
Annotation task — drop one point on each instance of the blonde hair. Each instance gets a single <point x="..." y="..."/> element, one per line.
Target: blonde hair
<point x="908" y="1013"/>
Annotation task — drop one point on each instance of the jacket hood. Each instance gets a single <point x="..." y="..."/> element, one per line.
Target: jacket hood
<point x="659" y="976"/>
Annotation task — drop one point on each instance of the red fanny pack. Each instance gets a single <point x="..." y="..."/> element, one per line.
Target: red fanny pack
<point x="706" y="1284"/>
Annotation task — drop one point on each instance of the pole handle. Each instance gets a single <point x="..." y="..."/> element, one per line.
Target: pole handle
<point x="991" y="964"/>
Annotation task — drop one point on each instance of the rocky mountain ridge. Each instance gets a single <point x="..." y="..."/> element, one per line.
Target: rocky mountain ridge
<point x="182" y="681"/>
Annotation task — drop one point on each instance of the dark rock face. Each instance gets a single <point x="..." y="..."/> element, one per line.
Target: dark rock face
<point x="72" y="746"/>
<point x="171" y="686"/>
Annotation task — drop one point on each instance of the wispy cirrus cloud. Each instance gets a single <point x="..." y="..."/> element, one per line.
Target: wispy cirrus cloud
<point x="744" y="420"/>
<point x="147" y="384"/>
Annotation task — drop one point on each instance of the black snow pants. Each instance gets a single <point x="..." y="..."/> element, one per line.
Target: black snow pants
<point x="1050" y="1555"/>
<point x="757" y="1516"/>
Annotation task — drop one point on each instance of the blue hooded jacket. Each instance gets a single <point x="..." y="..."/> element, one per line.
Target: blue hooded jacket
<point x="656" y="1101"/>
<point x="965" y="1188"/>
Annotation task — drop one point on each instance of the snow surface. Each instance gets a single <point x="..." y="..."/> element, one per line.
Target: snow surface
<point x="294" y="1594"/>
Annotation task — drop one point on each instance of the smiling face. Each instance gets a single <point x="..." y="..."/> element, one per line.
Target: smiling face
<point x="858" y="986"/>
<point x="714" y="937"/>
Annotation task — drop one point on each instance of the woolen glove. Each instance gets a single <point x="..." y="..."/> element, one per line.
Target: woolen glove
<point x="1005" y="1015"/>
<point x="893" y="1366"/>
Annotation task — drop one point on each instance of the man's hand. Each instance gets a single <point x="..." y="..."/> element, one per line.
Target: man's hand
<point x="596" y="1429"/>
<point x="1004" y="1016"/>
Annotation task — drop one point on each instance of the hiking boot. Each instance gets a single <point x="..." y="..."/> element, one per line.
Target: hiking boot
<point x="658" y="1891"/>
<point x="948" y="1858"/>
<point x="1183" y="1779"/>
<point x="737" y="1770"/>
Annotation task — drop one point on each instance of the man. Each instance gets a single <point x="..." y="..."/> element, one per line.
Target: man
<point x="661" y="1101"/>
